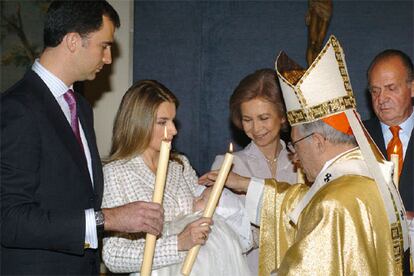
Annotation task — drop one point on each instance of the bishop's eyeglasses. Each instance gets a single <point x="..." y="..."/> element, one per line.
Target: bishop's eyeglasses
<point x="291" y="145"/>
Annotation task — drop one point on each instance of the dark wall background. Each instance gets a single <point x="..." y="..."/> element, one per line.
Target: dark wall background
<point x="202" y="49"/>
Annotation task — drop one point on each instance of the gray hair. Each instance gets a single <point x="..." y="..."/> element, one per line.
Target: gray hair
<point x="331" y="134"/>
<point x="391" y="53"/>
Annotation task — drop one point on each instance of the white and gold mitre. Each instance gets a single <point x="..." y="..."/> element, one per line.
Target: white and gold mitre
<point x="320" y="91"/>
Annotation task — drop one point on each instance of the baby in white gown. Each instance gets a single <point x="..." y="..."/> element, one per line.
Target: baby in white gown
<point x="230" y="237"/>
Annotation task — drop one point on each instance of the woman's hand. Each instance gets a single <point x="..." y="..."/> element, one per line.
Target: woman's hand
<point x="234" y="181"/>
<point x="194" y="233"/>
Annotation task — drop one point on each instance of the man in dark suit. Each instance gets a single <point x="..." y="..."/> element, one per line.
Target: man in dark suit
<point x="391" y="85"/>
<point x="51" y="175"/>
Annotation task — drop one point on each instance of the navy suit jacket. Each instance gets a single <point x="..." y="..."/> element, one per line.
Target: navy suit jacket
<point x="406" y="185"/>
<point x="45" y="183"/>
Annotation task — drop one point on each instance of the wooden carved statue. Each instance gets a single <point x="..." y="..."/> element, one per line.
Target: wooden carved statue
<point x="317" y="19"/>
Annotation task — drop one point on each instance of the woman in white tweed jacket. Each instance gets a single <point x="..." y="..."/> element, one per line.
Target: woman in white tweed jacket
<point x="146" y="109"/>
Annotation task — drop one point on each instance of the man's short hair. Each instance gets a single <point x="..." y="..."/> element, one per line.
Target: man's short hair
<point x="390" y="53"/>
<point x="82" y="17"/>
<point x="332" y="135"/>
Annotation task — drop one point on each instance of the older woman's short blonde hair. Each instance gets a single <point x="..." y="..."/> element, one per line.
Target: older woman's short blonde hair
<point x="261" y="84"/>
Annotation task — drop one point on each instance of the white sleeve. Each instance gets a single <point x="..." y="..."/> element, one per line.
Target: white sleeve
<point x="91" y="236"/>
<point x="217" y="162"/>
<point x="231" y="208"/>
<point x="239" y="166"/>
<point x="254" y="197"/>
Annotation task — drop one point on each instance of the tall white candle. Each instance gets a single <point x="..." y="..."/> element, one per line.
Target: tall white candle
<point x="162" y="167"/>
<point x="210" y="207"/>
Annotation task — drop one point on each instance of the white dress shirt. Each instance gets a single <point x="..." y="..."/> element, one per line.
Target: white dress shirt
<point x="404" y="133"/>
<point x="58" y="89"/>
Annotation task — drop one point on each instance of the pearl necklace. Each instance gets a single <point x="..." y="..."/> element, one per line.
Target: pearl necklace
<point x="272" y="163"/>
<point x="269" y="161"/>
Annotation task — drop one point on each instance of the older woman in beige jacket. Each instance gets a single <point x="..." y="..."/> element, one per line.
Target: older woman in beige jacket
<point x="257" y="108"/>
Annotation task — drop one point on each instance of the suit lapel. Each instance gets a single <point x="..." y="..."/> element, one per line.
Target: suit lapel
<point x="406" y="178"/>
<point x="87" y="127"/>
<point x="59" y="122"/>
<point x="374" y="128"/>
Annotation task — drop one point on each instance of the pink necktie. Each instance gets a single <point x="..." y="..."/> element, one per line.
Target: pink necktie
<point x="69" y="97"/>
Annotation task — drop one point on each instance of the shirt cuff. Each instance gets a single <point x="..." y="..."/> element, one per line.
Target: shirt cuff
<point x="254" y="197"/>
<point x="91" y="236"/>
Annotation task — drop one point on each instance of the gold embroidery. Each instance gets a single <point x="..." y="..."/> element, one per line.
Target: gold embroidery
<point x="267" y="245"/>
<point x="342" y="67"/>
<point x="396" y="240"/>
<point x="321" y="110"/>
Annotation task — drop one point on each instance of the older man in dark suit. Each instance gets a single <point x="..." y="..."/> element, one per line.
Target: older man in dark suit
<point x="391" y="84"/>
<point x="51" y="175"/>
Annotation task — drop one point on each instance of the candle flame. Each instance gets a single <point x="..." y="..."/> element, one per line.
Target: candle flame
<point x="165" y="132"/>
<point x="231" y="147"/>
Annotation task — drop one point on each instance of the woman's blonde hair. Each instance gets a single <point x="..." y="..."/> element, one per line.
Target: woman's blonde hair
<point x="260" y="84"/>
<point x="136" y="117"/>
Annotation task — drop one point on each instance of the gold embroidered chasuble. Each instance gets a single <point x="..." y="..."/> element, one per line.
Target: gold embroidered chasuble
<point x="342" y="229"/>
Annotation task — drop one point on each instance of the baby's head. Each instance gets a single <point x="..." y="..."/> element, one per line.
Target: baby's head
<point x="200" y="201"/>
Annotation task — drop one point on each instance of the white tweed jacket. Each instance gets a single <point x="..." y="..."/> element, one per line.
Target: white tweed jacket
<point x="131" y="180"/>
